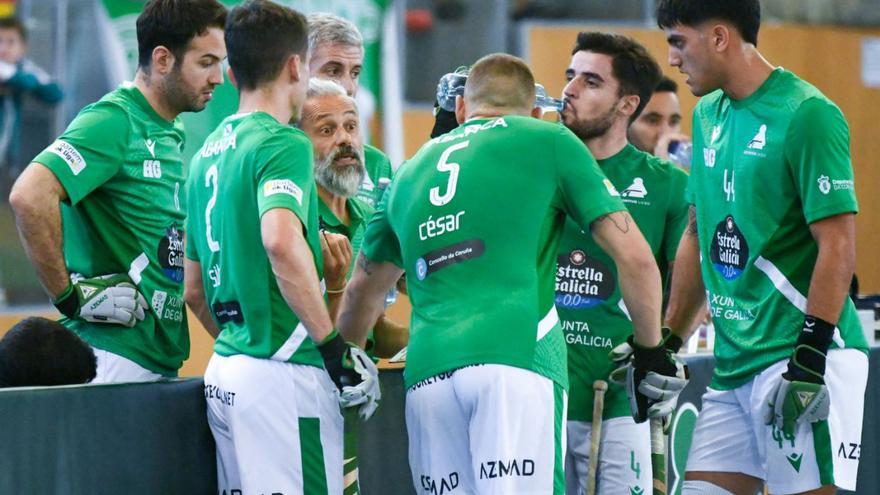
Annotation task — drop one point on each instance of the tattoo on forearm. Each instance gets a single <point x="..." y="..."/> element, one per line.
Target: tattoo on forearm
<point x="620" y="220"/>
<point x="365" y="264"/>
<point x="692" y="221"/>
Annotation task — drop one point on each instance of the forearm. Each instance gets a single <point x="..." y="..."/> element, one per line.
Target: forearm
<point x="194" y="295"/>
<point x="687" y="294"/>
<point x="38" y="219"/>
<point x="390" y="337"/>
<point x="298" y="282"/>
<point x="364" y="299"/>
<point x="642" y="294"/>
<point x="334" y="302"/>
<point x="832" y="274"/>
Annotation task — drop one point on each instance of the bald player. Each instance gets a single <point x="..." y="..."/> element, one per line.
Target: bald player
<point x="483" y="207"/>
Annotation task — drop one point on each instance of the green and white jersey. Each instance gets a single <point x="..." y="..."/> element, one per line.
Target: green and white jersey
<point x="120" y="164"/>
<point x="378" y="168"/>
<point x="249" y="165"/>
<point x="475" y="220"/>
<point x="764" y="169"/>
<point x="591" y="310"/>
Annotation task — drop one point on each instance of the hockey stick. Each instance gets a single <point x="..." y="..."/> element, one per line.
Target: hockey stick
<point x="599" y="388"/>
<point x="658" y="456"/>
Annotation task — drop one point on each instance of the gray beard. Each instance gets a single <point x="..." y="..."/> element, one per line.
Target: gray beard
<point x="345" y="182"/>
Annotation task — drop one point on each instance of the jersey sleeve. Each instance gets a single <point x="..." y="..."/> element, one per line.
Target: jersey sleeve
<point x="380" y="242"/>
<point x="817" y="153"/>
<point x="676" y="213"/>
<point x="585" y="192"/>
<point x="285" y="175"/>
<point x="91" y="150"/>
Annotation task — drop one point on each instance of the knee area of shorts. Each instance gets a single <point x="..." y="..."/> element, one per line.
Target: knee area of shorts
<point x="697" y="487"/>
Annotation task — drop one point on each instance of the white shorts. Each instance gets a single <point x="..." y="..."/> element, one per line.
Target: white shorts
<point x="730" y="435"/>
<point x="113" y="368"/>
<point x="277" y="427"/>
<point x="488" y="429"/>
<point x="624" y="457"/>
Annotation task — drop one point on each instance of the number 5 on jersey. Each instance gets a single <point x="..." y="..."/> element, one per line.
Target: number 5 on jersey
<point x="446" y="166"/>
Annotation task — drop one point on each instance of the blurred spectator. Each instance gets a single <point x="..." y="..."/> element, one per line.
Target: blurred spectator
<point x="37" y="352"/>
<point x="660" y="121"/>
<point x="18" y="77"/>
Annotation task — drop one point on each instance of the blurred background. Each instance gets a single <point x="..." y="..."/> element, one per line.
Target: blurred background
<point x="88" y="48"/>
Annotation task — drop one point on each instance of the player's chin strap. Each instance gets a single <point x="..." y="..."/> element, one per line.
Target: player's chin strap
<point x="697" y="487"/>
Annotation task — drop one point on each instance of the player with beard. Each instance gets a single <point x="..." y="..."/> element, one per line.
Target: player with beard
<point x="336" y="53"/>
<point x="330" y="119"/>
<point x="113" y="181"/>
<point x="610" y="79"/>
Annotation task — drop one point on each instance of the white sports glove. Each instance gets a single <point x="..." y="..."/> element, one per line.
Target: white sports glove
<point x="367" y="393"/>
<point x="622" y="354"/>
<point x="106" y="299"/>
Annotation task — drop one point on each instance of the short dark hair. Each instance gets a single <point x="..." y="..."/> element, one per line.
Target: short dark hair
<point x="634" y="68"/>
<point x="745" y="15"/>
<point x="12" y="22"/>
<point x="260" y="37"/>
<point x="666" y="85"/>
<point x="173" y="24"/>
<point x="37" y="351"/>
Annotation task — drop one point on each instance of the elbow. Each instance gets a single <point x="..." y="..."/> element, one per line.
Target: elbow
<point x="20" y="201"/>
<point x="193" y="295"/>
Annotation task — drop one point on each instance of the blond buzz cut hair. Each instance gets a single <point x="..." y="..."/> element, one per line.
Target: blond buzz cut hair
<point x="500" y="82"/>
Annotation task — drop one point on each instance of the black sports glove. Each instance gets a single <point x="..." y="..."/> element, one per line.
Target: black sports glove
<point x="338" y="362"/>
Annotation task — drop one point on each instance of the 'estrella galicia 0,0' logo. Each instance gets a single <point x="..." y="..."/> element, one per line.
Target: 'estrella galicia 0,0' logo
<point x="729" y="251"/>
<point x="170" y="254"/>
<point x="581" y="281"/>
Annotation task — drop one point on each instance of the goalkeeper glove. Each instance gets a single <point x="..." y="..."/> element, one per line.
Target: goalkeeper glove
<point x="801" y="396"/>
<point x="105" y="299"/>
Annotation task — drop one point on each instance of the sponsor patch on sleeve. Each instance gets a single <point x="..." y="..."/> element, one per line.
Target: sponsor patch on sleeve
<point x="69" y="154"/>
<point x="282" y="186"/>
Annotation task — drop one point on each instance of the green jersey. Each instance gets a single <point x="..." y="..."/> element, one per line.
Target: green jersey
<point x="378" y="176"/>
<point x="120" y="164"/>
<point x="359" y="214"/>
<point x="764" y="169"/>
<point x="475" y="219"/>
<point x="249" y="165"/>
<point x="591" y="310"/>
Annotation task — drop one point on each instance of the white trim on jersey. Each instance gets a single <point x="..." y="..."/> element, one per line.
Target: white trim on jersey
<point x="790" y="292"/>
<point x="297" y="337"/>
<point x="138" y="265"/>
<point x="547" y="322"/>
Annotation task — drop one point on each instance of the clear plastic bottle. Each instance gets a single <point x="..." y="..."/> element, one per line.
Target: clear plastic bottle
<point x="546" y="103"/>
<point x="681" y="153"/>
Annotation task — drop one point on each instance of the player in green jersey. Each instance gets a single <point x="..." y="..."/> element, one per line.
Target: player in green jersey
<point x="330" y="119"/>
<point x="660" y="122"/>
<point x="610" y="79"/>
<point x="474" y="218"/>
<point x="113" y="180"/>
<point x="253" y="273"/>
<point x="772" y="232"/>
<point x="336" y="52"/>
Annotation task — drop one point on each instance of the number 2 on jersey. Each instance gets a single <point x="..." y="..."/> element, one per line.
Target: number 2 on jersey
<point x="446" y="166"/>
<point x="211" y="181"/>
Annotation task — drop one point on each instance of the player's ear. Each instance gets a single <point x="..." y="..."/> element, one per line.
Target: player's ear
<point x="720" y="37"/>
<point x="295" y="68"/>
<point x="538" y="113"/>
<point x="460" y="110"/>
<point x="162" y="60"/>
<point x="629" y="104"/>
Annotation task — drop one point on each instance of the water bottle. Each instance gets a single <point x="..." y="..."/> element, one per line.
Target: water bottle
<point x="546" y="103"/>
<point x="680" y="153"/>
<point x="450" y="86"/>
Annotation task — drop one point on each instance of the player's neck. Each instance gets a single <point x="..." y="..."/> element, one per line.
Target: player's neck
<point x="337" y="204"/>
<point x="747" y="73"/>
<point x="154" y="96"/>
<point x="608" y="144"/>
<point x="268" y="100"/>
